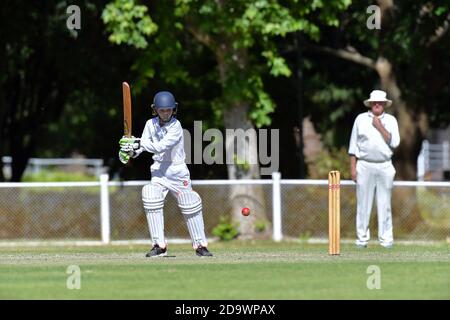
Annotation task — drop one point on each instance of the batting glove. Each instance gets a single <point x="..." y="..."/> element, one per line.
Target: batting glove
<point x="130" y="143"/>
<point x="124" y="157"/>
<point x="128" y="148"/>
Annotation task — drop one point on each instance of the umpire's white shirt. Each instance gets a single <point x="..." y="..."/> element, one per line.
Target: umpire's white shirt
<point x="367" y="143"/>
<point x="374" y="172"/>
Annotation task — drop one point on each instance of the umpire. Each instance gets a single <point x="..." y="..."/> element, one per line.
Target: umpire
<point x="374" y="136"/>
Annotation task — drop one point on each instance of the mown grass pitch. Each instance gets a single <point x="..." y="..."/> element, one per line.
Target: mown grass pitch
<point x="238" y="270"/>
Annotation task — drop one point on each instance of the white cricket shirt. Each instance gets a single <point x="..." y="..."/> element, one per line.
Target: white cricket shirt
<point x="367" y="143"/>
<point x="166" y="142"/>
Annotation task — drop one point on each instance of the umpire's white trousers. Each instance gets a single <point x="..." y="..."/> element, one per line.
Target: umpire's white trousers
<point x="371" y="177"/>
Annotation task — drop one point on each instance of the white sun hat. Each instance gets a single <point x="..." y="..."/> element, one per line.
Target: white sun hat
<point x="377" y="95"/>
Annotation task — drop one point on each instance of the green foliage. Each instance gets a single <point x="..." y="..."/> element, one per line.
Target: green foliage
<point x="304" y="236"/>
<point x="46" y="175"/>
<point x="128" y="23"/>
<point x="263" y="105"/>
<point x="226" y="230"/>
<point x="230" y="30"/>
<point x="216" y="55"/>
<point x="242" y="165"/>
<point x="276" y="64"/>
<point x="58" y="86"/>
<point x="434" y="207"/>
<point x="409" y="35"/>
<point x="328" y="160"/>
<point x="260" y="225"/>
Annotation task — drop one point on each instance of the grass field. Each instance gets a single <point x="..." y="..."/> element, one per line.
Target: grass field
<point x="238" y="270"/>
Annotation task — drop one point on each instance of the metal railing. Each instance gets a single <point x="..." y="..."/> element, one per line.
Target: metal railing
<point x="110" y="211"/>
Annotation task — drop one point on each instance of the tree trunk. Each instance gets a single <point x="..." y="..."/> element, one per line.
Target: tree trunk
<point x="298" y="131"/>
<point x="251" y="196"/>
<point x="242" y="156"/>
<point x="235" y="116"/>
<point x="412" y="127"/>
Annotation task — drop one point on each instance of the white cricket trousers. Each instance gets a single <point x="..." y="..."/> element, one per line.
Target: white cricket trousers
<point x="176" y="179"/>
<point x="374" y="178"/>
<point x="171" y="177"/>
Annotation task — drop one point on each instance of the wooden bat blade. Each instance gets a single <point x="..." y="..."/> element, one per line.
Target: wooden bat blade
<point x="126" y="109"/>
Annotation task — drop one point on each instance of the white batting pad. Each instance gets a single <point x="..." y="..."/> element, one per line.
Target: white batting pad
<point x="153" y="199"/>
<point x="190" y="204"/>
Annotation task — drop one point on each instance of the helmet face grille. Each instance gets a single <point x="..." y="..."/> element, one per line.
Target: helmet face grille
<point x="154" y="113"/>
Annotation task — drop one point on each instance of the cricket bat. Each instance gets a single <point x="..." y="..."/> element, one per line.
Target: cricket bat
<point x="126" y="109"/>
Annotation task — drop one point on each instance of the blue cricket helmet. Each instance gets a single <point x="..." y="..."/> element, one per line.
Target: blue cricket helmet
<point x="164" y="99"/>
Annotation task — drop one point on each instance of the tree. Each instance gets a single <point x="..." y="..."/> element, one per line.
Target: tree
<point x="405" y="54"/>
<point x="56" y="83"/>
<point x="241" y="36"/>
<point x="30" y="95"/>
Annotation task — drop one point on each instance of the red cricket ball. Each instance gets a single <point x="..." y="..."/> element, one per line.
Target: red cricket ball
<point x="245" y="211"/>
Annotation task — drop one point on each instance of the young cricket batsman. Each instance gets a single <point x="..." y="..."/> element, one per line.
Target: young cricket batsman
<point x="163" y="136"/>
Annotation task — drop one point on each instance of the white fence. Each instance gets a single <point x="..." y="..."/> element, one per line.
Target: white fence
<point x="111" y="211"/>
<point x="433" y="157"/>
<point x="36" y="164"/>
